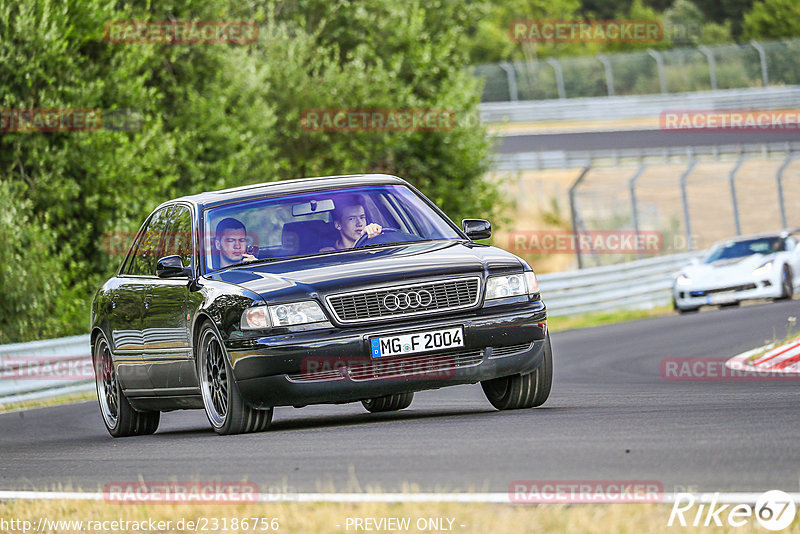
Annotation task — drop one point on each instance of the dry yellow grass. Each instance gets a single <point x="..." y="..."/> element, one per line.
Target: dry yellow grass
<point x="539" y="201"/>
<point x="310" y="518"/>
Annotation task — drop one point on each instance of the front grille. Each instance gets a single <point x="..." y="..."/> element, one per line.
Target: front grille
<point x="431" y="367"/>
<point x="406" y="300"/>
<point x="510" y="349"/>
<point x="744" y="287"/>
<point x="438" y="366"/>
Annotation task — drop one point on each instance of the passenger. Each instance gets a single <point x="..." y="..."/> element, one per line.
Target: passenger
<point x="231" y="241"/>
<point x="350" y="220"/>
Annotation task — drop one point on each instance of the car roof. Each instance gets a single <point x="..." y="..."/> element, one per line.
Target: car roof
<point x="780" y="233"/>
<point x="299" y="185"/>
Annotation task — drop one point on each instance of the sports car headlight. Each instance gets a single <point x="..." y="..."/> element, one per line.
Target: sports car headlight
<point x="683" y="280"/>
<point x="512" y="285"/>
<point x="306" y="311"/>
<point x="764" y="270"/>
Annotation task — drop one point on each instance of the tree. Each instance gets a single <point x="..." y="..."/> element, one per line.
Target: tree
<point x="773" y="19"/>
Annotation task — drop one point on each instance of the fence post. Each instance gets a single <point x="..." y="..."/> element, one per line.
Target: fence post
<point x="602" y="58"/>
<point x="686" y="220"/>
<point x="511" y="74"/>
<point x="763" y="57"/>
<point x="712" y="67"/>
<point x="632" y="187"/>
<point x="574" y="212"/>
<point x="779" y="178"/>
<point x="732" y="180"/>
<point x="662" y="80"/>
<point x="553" y="62"/>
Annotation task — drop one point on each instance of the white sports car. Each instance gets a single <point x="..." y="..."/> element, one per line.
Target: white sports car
<point x="749" y="267"/>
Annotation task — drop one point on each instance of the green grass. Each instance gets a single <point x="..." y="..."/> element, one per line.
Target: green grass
<point x="558" y="324"/>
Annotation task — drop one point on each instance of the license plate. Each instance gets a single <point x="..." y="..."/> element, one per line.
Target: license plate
<point x="417" y="342"/>
<point x="722" y="298"/>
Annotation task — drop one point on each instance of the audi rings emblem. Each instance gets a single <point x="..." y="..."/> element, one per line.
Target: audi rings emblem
<point x="408" y="300"/>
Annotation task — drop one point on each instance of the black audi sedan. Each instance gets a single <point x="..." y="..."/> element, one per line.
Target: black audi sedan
<point x="320" y="290"/>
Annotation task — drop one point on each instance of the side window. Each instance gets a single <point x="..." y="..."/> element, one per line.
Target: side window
<point x="178" y="239"/>
<point x="144" y="260"/>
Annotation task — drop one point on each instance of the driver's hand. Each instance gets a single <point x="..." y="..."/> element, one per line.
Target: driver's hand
<point x="372" y="230"/>
<point x="248" y="257"/>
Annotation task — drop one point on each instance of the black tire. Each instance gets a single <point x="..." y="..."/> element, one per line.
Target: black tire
<point x="225" y="408"/>
<point x="389" y="403"/>
<point x="522" y="391"/>
<point x="787" y="284"/>
<point x="118" y="415"/>
<point x="682" y="310"/>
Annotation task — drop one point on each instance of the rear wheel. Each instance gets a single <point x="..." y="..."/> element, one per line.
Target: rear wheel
<point x="227" y="412"/>
<point x="120" y="418"/>
<point x="389" y="403"/>
<point x="522" y="391"/>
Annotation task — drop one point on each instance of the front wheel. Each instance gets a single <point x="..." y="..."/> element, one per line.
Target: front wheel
<point x="389" y="403"/>
<point x="120" y="418"/>
<point x="787" y="284"/>
<point x="227" y="412"/>
<point x="522" y="391"/>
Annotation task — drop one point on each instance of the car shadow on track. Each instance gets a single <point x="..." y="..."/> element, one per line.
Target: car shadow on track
<point x="350" y="420"/>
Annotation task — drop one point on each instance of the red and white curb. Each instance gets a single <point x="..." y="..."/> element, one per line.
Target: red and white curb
<point x="783" y="359"/>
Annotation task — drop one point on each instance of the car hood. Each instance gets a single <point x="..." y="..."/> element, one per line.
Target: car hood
<point x="353" y="269"/>
<point x="721" y="269"/>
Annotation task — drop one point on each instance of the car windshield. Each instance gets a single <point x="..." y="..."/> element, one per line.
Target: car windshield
<point x="740" y="249"/>
<point x="318" y="223"/>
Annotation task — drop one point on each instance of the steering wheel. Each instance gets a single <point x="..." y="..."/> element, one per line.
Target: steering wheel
<point x="365" y="237"/>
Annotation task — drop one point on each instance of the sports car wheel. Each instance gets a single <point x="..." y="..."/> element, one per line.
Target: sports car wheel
<point x="522" y="391"/>
<point x="389" y="403"/>
<point x="787" y="284"/>
<point x="227" y="412"/>
<point x="120" y="418"/>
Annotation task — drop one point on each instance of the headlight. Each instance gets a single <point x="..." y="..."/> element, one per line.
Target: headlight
<point x="683" y="280"/>
<point x="307" y="311"/>
<point x="263" y="317"/>
<point x="512" y="285"/>
<point x="764" y="270"/>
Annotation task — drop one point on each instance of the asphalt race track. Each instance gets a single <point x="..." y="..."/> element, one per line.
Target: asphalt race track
<point x="610" y="417"/>
<point x="637" y="139"/>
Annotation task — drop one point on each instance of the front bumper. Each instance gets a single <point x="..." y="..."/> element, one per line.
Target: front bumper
<point x="697" y="295"/>
<point x="334" y="365"/>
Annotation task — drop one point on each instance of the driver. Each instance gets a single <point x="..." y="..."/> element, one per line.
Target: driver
<point x="231" y="241"/>
<point x="350" y="219"/>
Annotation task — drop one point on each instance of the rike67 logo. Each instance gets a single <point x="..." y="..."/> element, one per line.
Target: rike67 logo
<point x="774" y="510"/>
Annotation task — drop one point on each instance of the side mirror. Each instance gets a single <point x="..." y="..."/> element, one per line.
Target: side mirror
<point x="172" y="267"/>
<point x="477" y="228"/>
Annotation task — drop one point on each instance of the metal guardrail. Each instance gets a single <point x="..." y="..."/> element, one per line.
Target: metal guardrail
<point x="639" y="284"/>
<point x="45" y="369"/>
<point x="54" y="367"/>
<point x="567" y="159"/>
<point x="638" y="106"/>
